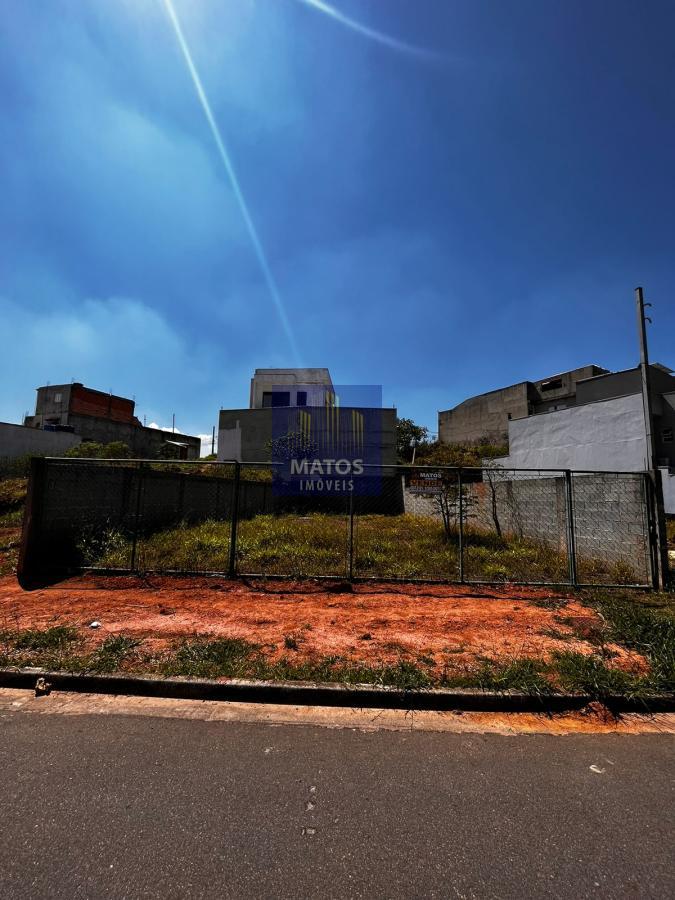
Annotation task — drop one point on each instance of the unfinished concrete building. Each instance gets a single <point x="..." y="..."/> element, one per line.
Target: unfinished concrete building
<point x="487" y="416"/>
<point x="104" y="418"/>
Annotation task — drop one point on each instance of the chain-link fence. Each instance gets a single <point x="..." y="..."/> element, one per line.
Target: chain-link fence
<point x="484" y="524"/>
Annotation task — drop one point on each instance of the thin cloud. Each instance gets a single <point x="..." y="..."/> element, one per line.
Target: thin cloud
<point x="371" y="33"/>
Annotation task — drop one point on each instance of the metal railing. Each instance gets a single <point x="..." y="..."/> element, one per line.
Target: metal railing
<point x="426" y="523"/>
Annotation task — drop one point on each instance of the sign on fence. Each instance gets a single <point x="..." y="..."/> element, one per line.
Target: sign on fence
<point x="425" y="482"/>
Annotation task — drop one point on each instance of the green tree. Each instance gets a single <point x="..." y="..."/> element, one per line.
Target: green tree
<point x="409" y="438"/>
<point x="467" y="455"/>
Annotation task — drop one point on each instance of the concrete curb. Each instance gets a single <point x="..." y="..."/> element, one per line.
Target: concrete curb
<point x="320" y="694"/>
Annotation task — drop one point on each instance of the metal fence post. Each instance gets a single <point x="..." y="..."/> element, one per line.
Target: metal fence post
<point x="460" y="502"/>
<point x="232" y="568"/>
<point x="31" y="552"/>
<point x="571" y="538"/>
<point x="351" y="535"/>
<point x="137" y="516"/>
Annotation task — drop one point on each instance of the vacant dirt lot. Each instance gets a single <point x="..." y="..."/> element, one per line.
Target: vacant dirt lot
<point x="448" y="626"/>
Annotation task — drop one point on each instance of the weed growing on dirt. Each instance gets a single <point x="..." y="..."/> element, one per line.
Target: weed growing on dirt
<point x="12" y="519"/>
<point x="527" y="675"/>
<point x="548" y="602"/>
<point x="556" y="634"/>
<point x="12" y="494"/>
<point x="58" y="637"/>
<point x="53" y="647"/>
<point x="643" y="624"/>
<point x="225" y="657"/>
<point x="114" y="650"/>
<point x="591" y="675"/>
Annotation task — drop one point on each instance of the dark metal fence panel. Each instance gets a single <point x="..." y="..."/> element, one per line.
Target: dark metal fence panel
<point x="416" y="534"/>
<point x="515" y="526"/>
<point x="430" y="523"/>
<point x="611" y="528"/>
<point x="184" y="519"/>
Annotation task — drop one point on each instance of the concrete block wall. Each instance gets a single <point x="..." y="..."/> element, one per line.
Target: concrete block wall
<point x="610" y="513"/>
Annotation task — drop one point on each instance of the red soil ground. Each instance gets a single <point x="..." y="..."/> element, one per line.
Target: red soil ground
<point x="374" y="624"/>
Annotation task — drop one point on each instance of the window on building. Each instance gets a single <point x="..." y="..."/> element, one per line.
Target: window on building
<point x="302" y="398"/>
<point x="553" y="385"/>
<point x="276" y="398"/>
<point x="57" y="398"/>
<point x="667" y="435"/>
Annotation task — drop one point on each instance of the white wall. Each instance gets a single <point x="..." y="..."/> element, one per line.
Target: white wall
<point x="668" y="482"/>
<point x="313" y="381"/>
<point x="607" y="436"/>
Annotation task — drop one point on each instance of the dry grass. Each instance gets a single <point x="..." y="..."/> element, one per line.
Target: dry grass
<point x="403" y="546"/>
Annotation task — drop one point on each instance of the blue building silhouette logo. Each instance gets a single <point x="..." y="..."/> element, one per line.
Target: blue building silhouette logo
<point x="329" y="449"/>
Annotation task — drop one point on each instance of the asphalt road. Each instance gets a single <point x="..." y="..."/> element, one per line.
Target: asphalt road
<point x="121" y="806"/>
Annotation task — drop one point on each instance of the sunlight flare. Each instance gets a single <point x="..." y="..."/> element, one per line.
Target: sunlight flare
<point x="234" y="181"/>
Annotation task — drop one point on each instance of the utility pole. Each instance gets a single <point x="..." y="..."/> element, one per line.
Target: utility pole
<point x="661" y="566"/>
<point x="650" y="447"/>
<point x="213" y="441"/>
<point x="173" y="422"/>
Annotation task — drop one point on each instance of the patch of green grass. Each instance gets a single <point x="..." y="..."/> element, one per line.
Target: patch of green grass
<point x="114" y="650"/>
<point x="12" y="494"/>
<point x="58" y="637"/>
<point x="526" y="674"/>
<point x="406" y="676"/>
<point x="403" y="546"/>
<point x="12" y="519"/>
<point x="54" y="647"/>
<point x="591" y="675"/>
<point x="224" y="657"/>
<point x="644" y="623"/>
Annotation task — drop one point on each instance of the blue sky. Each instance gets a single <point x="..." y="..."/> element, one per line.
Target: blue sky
<point x="442" y="223"/>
